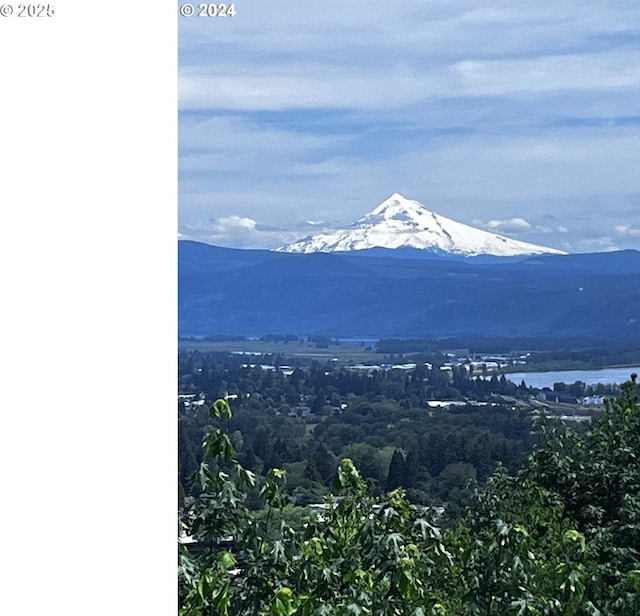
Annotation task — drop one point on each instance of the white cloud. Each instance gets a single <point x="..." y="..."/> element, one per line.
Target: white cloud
<point x="519" y="226"/>
<point x="224" y="231"/>
<point x="513" y="225"/>
<point x="242" y="232"/>
<point x="628" y="230"/>
<point x="302" y="87"/>
<point x="578" y="72"/>
<point x="312" y="85"/>
<point x="233" y="224"/>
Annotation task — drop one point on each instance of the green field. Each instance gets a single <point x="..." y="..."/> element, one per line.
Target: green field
<point x="344" y="353"/>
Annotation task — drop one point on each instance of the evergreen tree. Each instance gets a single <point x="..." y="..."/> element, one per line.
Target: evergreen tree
<point x="324" y="463"/>
<point x="412" y="469"/>
<point x="311" y="470"/>
<point x="397" y="476"/>
<point x="261" y="443"/>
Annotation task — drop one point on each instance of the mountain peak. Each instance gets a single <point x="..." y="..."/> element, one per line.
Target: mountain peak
<point x="400" y="222"/>
<point x="397" y="199"/>
<point x="400" y="209"/>
<point x="397" y="202"/>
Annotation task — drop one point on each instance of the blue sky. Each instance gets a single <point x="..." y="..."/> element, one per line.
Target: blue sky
<point x="520" y="118"/>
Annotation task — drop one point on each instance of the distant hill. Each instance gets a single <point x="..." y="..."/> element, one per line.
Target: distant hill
<point x="375" y="294"/>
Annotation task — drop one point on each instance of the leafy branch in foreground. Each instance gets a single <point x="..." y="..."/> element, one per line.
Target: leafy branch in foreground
<point x="560" y="537"/>
<point x="597" y="478"/>
<point x="360" y="556"/>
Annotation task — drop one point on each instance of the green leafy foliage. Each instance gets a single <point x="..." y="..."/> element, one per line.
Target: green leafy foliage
<point x="520" y="555"/>
<point x="597" y="478"/>
<point x="558" y="537"/>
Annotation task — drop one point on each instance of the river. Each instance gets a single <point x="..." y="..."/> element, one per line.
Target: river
<point x="589" y="377"/>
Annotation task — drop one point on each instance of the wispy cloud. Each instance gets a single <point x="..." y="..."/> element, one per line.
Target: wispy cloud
<point x="513" y="225"/>
<point x="518" y="226"/>
<point x="628" y="230"/>
<point x="326" y="86"/>
<point x="241" y="232"/>
<point x="488" y="111"/>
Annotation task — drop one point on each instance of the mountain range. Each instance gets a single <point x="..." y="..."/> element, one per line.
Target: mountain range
<point x="406" y="292"/>
<point x="402" y="223"/>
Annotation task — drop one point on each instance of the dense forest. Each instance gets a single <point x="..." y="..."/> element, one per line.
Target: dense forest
<point x="433" y="432"/>
<point x="558" y="533"/>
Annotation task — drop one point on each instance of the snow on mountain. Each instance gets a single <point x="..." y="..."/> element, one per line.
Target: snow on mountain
<point x="399" y="222"/>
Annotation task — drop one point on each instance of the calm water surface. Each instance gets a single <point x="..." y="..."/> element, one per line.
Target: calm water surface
<point x="589" y="377"/>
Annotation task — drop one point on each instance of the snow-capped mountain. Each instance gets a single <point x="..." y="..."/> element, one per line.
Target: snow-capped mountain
<point x="399" y="222"/>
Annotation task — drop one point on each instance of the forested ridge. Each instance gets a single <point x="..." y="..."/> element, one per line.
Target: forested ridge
<point x="229" y="291"/>
<point x="424" y="510"/>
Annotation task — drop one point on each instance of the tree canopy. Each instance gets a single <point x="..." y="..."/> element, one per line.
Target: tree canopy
<point x="560" y="536"/>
